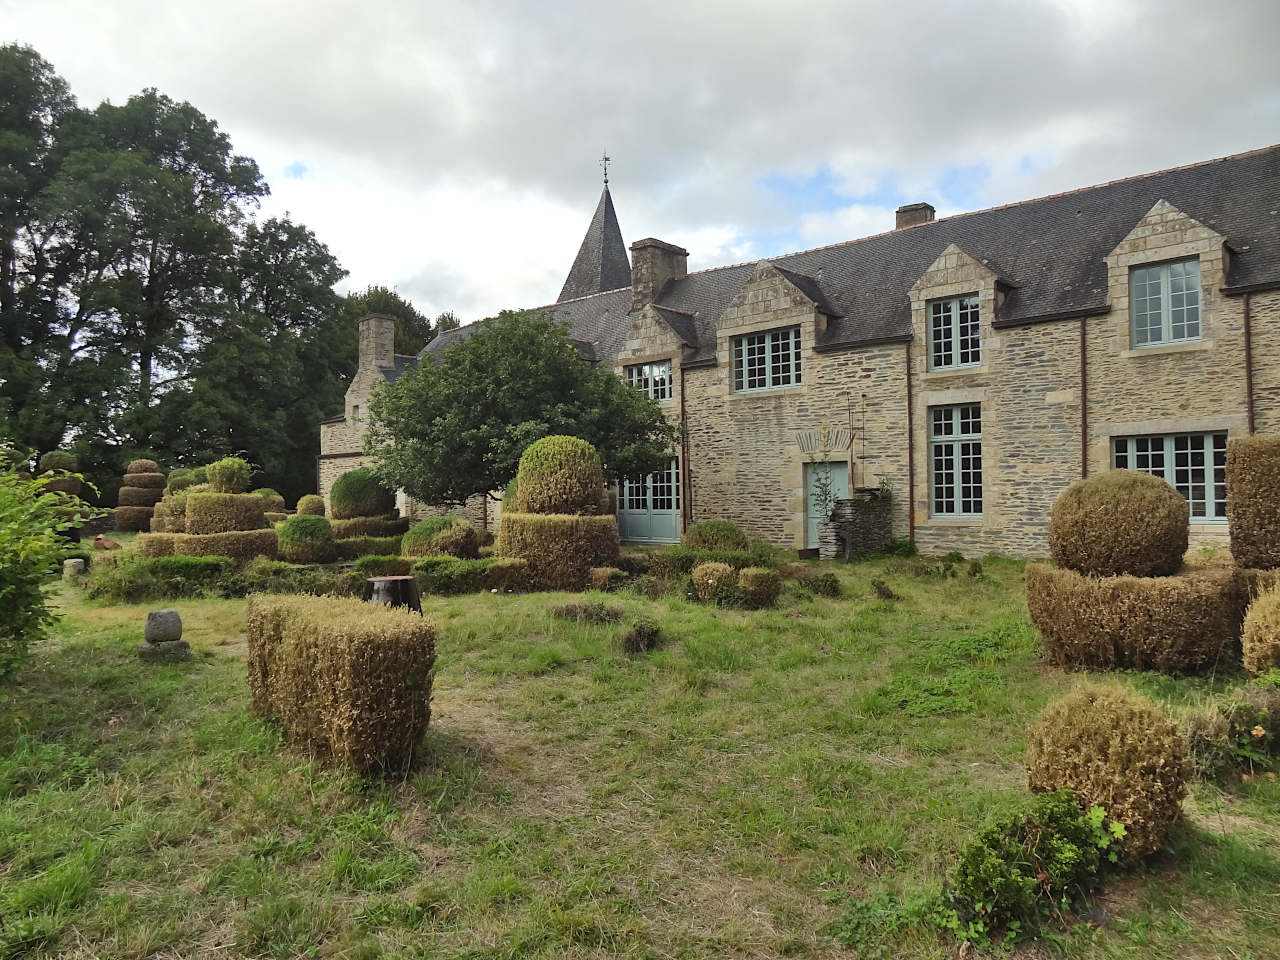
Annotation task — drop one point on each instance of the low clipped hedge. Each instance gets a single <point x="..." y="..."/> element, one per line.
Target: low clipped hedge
<point x="345" y="678"/>
<point x="139" y="496"/>
<point x="560" y="475"/>
<point x="155" y="544"/>
<point x="508" y="575"/>
<point x="306" y="539"/>
<point x="228" y="475"/>
<point x="714" y="535"/>
<point x="224" y="512"/>
<point x="1174" y="624"/>
<point x="1253" y="506"/>
<point x="1261" y="638"/>
<point x="1116" y="750"/>
<point x="275" y="516"/>
<point x="170" y="515"/>
<point x="760" y="587"/>
<point x="418" y="539"/>
<point x="311" y="504"/>
<point x="134" y="578"/>
<point x="349" y="548"/>
<point x="447" y="576"/>
<point x="239" y="544"/>
<point x="181" y="479"/>
<point x="1119" y="522"/>
<point x="675" y="562"/>
<point x="272" y="500"/>
<point x="560" y="548"/>
<point x="387" y="525"/>
<point x="131" y="518"/>
<point x="383" y="566"/>
<point x="142" y="466"/>
<point x="358" y="493"/>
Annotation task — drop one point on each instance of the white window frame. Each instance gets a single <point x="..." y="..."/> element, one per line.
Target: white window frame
<point x="1175" y="295"/>
<point x="768" y="360"/>
<point x="1173" y="458"/>
<point x="955" y="461"/>
<point x="955" y="333"/>
<point x="652" y="379"/>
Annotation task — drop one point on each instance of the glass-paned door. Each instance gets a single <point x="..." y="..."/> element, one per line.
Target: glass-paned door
<point x="649" y="509"/>
<point x="838" y="472"/>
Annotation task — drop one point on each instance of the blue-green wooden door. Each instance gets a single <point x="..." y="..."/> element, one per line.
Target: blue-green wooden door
<point x="839" y="487"/>
<point x="649" y="509"/>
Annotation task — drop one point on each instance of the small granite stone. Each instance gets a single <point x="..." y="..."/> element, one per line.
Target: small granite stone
<point x="166" y="651"/>
<point x="163" y="626"/>
<point x="73" y="568"/>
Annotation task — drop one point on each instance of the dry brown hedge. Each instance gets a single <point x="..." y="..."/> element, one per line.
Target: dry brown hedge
<point x="1116" y="750"/>
<point x="707" y="578"/>
<point x="131" y="518"/>
<point x="1119" y="522"/>
<point x="560" y="548"/>
<point x="139" y="496"/>
<point x="1254" y="583"/>
<point x="142" y="466"/>
<point x="170" y="515"/>
<point x="387" y="525"/>
<point x="560" y="475"/>
<point x="1253" y="500"/>
<point x="760" y="586"/>
<point x="345" y="678"/>
<point x="155" y="544"/>
<point x="1261" y="638"/>
<point x="239" y="544"/>
<point x="459" y="540"/>
<point x="224" y="512"/>
<point x="62" y="483"/>
<point x="149" y="480"/>
<point x="605" y="578"/>
<point x="1175" y="624"/>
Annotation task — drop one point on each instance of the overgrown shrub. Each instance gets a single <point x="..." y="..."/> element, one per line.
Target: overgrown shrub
<point x="605" y="578"/>
<point x="382" y="566"/>
<point x="142" y="466"/>
<point x="359" y="493"/>
<point x="271" y="500"/>
<point x="593" y="612"/>
<point x="342" y="677"/>
<point x="560" y="548"/>
<point x="180" y="479"/>
<point x="1119" y="522"/>
<point x="674" y="562"/>
<point x="135" y="578"/>
<point x="240" y="544"/>
<point x="458" y="540"/>
<point x="634" y="562"/>
<point x="643" y="635"/>
<point x="387" y="525"/>
<point x="714" y="535"/>
<point x="1174" y="624"/>
<point x="305" y="538"/>
<point x="1116" y="750"/>
<point x="1261" y="638"/>
<point x="262" y="575"/>
<point x="228" y="475"/>
<point x="224" y="512"/>
<point x="311" y="504"/>
<point x="1026" y="867"/>
<point x="760" y="587"/>
<point x="821" y="584"/>
<point x="1253" y="507"/>
<point x="349" y="548"/>
<point x="560" y="475"/>
<point x="1237" y="732"/>
<point x="447" y="576"/>
<point x="708" y="577"/>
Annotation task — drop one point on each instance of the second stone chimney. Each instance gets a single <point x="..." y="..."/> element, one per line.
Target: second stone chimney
<point x="378" y="341"/>
<point x="653" y="263"/>
<point x="914" y="213"/>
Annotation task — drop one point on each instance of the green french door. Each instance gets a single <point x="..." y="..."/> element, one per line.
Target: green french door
<point x="839" y="473"/>
<point x="649" y="509"/>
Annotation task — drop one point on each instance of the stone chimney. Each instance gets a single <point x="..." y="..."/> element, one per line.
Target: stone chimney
<point x="914" y="213"/>
<point x="653" y="263"/>
<point x="378" y="341"/>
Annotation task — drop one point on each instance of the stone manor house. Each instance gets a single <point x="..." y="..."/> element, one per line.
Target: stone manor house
<point x="973" y="365"/>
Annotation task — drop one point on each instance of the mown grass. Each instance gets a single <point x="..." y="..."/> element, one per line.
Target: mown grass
<point x="781" y="783"/>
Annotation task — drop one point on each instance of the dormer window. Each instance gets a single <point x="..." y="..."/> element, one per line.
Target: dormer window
<point x="1165" y="302"/>
<point x="652" y="379"/>
<point x="953" y="333"/>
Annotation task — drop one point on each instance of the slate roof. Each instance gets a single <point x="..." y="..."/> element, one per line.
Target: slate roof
<point x="602" y="262"/>
<point x="1048" y="251"/>
<point x="402" y="363"/>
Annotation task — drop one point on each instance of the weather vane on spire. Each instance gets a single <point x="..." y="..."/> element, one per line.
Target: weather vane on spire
<point x="604" y="163"/>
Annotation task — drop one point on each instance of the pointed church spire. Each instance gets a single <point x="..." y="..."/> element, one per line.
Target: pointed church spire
<point x="602" y="262"/>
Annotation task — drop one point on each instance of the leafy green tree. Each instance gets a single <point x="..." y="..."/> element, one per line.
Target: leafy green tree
<point x="414" y="329"/>
<point x="457" y="425"/>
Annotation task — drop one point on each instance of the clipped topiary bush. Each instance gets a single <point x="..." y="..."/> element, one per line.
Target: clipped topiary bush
<point x="674" y="562"/>
<point x="306" y="539"/>
<point x="417" y="541"/>
<point x="271" y="500"/>
<point x="142" y="466"/>
<point x="134" y="578"/>
<point x="239" y="544"/>
<point x="359" y="493"/>
<point x="311" y="504"/>
<point x="760" y="587"/>
<point x="459" y="540"/>
<point x="59" y="461"/>
<point x="383" y="566"/>
<point x="714" y="535"/>
<point x="274" y="517"/>
<point x="446" y="576"/>
<point x="228" y="475"/>
<point x="346" y="678"/>
<point x="154" y="481"/>
<point x="138" y="496"/>
<point x="388" y="525"/>
<point x="560" y="475"/>
<point x="131" y="518"/>
<point x="1253" y="507"/>
<point x="560" y="548"/>
<point x="1261" y="638"/>
<point x="1116" y="750"/>
<point x="708" y="578"/>
<point x="155" y="544"/>
<point x="507" y="575"/>
<point x="179" y="479"/>
<point x="1173" y="624"/>
<point x="605" y="578"/>
<point x="1119" y="522"/>
<point x="224" y="512"/>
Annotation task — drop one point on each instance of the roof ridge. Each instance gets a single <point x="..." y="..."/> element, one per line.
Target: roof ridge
<point x="1000" y="206"/>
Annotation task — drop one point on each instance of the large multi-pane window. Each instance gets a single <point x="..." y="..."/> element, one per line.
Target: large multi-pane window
<point x="1194" y="464"/>
<point x="1165" y="302"/>
<point x="955" y="453"/>
<point x="953" y="333"/>
<point x="653" y="379"/>
<point x="765" y="360"/>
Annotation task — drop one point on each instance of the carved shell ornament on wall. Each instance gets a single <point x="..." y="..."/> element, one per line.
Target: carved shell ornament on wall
<point x="827" y="438"/>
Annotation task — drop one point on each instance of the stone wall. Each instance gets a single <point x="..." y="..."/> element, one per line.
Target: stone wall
<point x="1264" y="312"/>
<point x="860" y="526"/>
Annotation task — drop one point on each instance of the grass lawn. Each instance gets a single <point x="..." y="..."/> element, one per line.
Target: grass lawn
<point x="783" y="783"/>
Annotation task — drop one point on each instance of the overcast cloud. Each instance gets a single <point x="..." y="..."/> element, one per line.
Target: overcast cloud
<point x="449" y="149"/>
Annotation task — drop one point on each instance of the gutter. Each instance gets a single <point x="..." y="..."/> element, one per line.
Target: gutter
<point x="686" y="484"/>
<point x="1248" y="360"/>
<point x="1241" y="288"/>
<point x="911" y="455"/>
<point x="1009" y="324"/>
<point x="1084" y="401"/>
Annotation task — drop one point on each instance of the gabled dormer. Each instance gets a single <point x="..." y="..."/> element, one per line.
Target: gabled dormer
<point x="953" y="305"/>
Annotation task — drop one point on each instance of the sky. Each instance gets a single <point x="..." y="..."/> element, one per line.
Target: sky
<point x="450" y="150"/>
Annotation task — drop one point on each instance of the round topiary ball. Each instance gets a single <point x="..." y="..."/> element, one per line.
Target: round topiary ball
<point x="560" y="475"/>
<point x="271" y="500"/>
<point x="459" y="540"/>
<point x="708" y="577"/>
<point x="714" y="535"/>
<point x="311" y="504"/>
<point x="306" y="538"/>
<point x="358" y="493"/>
<point x="63" y="460"/>
<point x="142" y="466"/>
<point x="1116" y="750"/>
<point x="228" y="475"/>
<point x="1119" y="522"/>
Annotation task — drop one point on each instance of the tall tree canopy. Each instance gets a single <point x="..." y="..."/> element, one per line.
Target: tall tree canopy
<point x="414" y="330"/>
<point x="457" y="425"/>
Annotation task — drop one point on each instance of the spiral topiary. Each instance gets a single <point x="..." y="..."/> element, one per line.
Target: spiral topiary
<point x="311" y="504"/>
<point x="560" y="475"/>
<point x="1119" y="522"/>
<point x="359" y="493"/>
